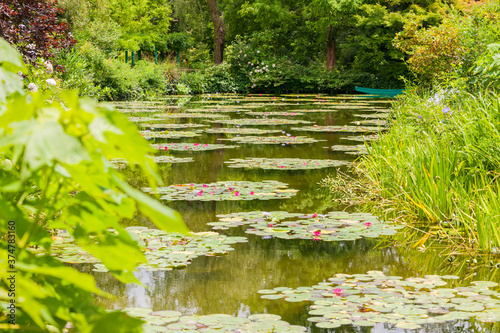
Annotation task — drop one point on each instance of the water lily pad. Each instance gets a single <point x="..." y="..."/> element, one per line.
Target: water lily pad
<point x="240" y="131"/>
<point x="220" y="323"/>
<point x="163" y="251"/>
<point x="332" y="226"/>
<point x="283" y="139"/>
<point x="353" y="150"/>
<point x="275" y="113"/>
<point x="120" y="162"/>
<point x="283" y="163"/>
<point x="405" y="303"/>
<point x="191" y="115"/>
<point x="362" y="138"/>
<point x="261" y="122"/>
<point x="141" y="119"/>
<point x="236" y="190"/>
<point x="338" y="129"/>
<point x="190" y="146"/>
<point x="370" y="122"/>
<point x="168" y="134"/>
<point x="173" y="126"/>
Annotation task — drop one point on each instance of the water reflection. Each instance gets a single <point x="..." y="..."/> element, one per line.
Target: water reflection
<point x="229" y="284"/>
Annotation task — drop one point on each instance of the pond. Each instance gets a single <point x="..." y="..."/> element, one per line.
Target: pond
<point x="296" y="140"/>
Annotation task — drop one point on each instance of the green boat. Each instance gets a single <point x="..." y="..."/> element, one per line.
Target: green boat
<point x="390" y="93"/>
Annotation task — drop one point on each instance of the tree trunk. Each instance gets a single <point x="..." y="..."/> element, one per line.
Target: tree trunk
<point x="219" y="31"/>
<point x="330" y="50"/>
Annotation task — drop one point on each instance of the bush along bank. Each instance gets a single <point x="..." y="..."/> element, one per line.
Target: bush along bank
<point x="440" y="163"/>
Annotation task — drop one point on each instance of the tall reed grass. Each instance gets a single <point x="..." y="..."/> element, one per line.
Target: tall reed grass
<point x="440" y="162"/>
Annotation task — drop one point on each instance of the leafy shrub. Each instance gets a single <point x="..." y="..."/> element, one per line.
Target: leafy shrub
<point x="78" y="75"/>
<point x="34" y="28"/>
<point x="451" y="48"/>
<point x="487" y="70"/>
<point x="192" y="82"/>
<point x="56" y="174"/>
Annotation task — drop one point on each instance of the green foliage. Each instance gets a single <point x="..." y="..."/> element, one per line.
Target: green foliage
<point x="55" y="174"/>
<point x="487" y="69"/>
<point x="451" y="48"/>
<point x="439" y="162"/>
<point x="120" y="24"/>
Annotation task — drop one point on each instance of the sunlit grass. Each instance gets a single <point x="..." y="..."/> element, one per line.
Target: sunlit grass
<point x="440" y="162"/>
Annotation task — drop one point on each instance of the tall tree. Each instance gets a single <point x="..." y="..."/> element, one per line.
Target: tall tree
<point x="219" y="31"/>
<point x="336" y="17"/>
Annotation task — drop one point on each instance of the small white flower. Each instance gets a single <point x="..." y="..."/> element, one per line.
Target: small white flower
<point x="32" y="87"/>
<point x="48" y="66"/>
<point x="51" y="82"/>
<point x="258" y="51"/>
<point x="274" y="65"/>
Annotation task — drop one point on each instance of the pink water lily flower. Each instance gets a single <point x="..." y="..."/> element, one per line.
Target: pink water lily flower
<point x="338" y="291"/>
<point x="200" y="193"/>
<point x="214" y="188"/>
<point x="160" y="147"/>
<point x="191" y="184"/>
<point x="211" y="193"/>
<point x="237" y="194"/>
<point x="205" y="185"/>
<point x="305" y="163"/>
<point x="317" y="233"/>
<point x="270" y="225"/>
<point x="252" y="192"/>
<point x="315" y="215"/>
<point x="282" y="166"/>
<point x="166" y="148"/>
<point x="205" y="145"/>
<point x="368" y="224"/>
<point x="230" y="189"/>
<point x="196" y="144"/>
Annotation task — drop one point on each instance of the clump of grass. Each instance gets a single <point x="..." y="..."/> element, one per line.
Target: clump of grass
<point x="439" y="163"/>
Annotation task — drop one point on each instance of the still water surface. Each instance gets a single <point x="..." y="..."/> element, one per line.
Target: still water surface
<point x="229" y="283"/>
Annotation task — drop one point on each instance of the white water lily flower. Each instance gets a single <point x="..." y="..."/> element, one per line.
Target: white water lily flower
<point x="32" y="87"/>
<point x="51" y="82"/>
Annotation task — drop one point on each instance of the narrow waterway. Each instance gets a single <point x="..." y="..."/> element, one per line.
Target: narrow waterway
<point x="229" y="283"/>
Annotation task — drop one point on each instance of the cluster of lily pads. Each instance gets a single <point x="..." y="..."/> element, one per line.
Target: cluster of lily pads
<point x="191" y="115"/>
<point x="371" y="115"/>
<point x="362" y="138"/>
<point x="141" y="119"/>
<point x="261" y="122"/>
<point x="121" y="162"/>
<point x="283" y="163"/>
<point x="240" y="130"/>
<point x="368" y="299"/>
<point x="173" y="126"/>
<point x="338" y="129"/>
<point x="351" y="150"/>
<point x="163" y="251"/>
<point x="373" y="122"/>
<point x="229" y="190"/>
<point x="274" y="113"/>
<point x="189" y="146"/>
<point x="174" y="321"/>
<point x="333" y="226"/>
<point x="274" y="140"/>
<point x="168" y="134"/>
